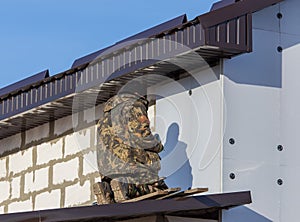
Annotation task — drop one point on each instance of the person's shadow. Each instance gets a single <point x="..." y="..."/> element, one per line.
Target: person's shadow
<point x="175" y="164"/>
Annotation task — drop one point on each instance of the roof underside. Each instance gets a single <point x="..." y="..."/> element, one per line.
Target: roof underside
<point x="204" y="206"/>
<point x="171" y="49"/>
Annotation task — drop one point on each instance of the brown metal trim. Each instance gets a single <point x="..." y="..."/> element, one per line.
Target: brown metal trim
<point x="204" y="206"/>
<point x="249" y="33"/>
<point x="233" y="11"/>
<point x="232" y="35"/>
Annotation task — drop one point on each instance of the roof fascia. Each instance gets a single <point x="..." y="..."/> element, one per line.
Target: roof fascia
<point x="232" y="11"/>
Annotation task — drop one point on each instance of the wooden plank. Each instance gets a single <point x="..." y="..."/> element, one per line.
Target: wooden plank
<point x="195" y="191"/>
<point x="153" y="195"/>
<point x="184" y="193"/>
<point x="147" y="196"/>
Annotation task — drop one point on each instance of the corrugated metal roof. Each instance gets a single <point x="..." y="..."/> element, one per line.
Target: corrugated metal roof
<point x="158" y="29"/>
<point x="25" y="83"/>
<point x="204" y="206"/>
<point x="222" y="4"/>
<point x="142" y="35"/>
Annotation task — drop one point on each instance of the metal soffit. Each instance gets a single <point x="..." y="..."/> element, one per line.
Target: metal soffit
<point x="221" y="33"/>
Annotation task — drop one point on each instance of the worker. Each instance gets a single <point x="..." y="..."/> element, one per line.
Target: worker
<point x="127" y="151"/>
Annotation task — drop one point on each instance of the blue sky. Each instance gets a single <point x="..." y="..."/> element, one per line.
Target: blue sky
<point x="50" y="34"/>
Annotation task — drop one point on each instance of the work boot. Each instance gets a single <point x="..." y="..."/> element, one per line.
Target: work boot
<point x="159" y="185"/>
<point x="103" y="193"/>
<point x="120" y="190"/>
<point x="143" y="189"/>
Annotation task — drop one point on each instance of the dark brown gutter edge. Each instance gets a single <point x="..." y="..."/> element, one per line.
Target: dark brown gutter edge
<point x="111" y="212"/>
<point x="232" y="11"/>
<point x="44" y="81"/>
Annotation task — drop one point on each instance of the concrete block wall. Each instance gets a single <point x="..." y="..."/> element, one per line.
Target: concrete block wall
<point x="50" y="166"/>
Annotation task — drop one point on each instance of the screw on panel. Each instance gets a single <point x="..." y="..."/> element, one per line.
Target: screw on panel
<point x="190" y="92"/>
<point x="279" y="49"/>
<point x="279" y="182"/>
<point x="231" y="141"/>
<point x="279" y="15"/>
<point x="232" y="176"/>
<point x="280" y="148"/>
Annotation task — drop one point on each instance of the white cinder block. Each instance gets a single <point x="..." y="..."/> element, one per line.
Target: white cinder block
<point x="66" y="171"/>
<point x="94" y="113"/>
<point x="20" y="206"/>
<point x="38" y="180"/>
<point x="48" y="200"/>
<point x="49" y="151"/>
<point x="96" y="132"/>
<point x="99" y="115"/>
<point x="4" y="190"/>
<point x="16" y="187"/>
<point x="71" y="145"/>
<point x="77" y="142"/>
<point x="20" y="161"/>
<point x="10" y="143"/>
<point x="90" y="163"/>
<point x="97" y="179"/>
<point x="76" y="194"/>
<point x="37" y="133"/>
<point x="99" y="111"/>
<point x="90" y="115"/>
<point x="3" y="167"/>
<point x="151" y="116"/>
<point x="64" y="124"/>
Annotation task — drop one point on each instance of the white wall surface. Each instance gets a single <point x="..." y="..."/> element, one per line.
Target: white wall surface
<point x="290" y="128"/>
<point x="261" y="91"/>
<point x="189" y="126"/>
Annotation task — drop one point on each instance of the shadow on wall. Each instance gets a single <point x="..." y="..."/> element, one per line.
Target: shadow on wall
<point x="262" y="67"/>
<point x="243" y="214"/>
<point x="175" y="164"/>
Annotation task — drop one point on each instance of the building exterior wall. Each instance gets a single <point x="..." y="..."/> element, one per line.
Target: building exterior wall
<point x="50" y="166"/>
<point x="188" y="118"/>
<point x="261" y="92"/>
<point x="230" y="128"/>
<point x="289" y="110"/>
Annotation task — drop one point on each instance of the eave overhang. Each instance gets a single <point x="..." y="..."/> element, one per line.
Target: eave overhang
<point x="221" y="33"/>
<point x="204" y="207"/>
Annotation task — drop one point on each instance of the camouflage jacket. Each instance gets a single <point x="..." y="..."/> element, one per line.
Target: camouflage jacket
<point x="126" y="145"/>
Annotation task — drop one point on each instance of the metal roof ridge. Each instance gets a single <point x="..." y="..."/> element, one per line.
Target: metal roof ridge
<point x="148" y="33"/>
<point x="24" y="83"/>
<point x="222" y="4"/>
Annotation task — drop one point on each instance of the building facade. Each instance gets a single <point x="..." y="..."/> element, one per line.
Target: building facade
<point x="223" y="95"/>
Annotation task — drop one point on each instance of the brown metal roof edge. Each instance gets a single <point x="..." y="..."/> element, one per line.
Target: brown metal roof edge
<point x="160" y="28"/>
<point x="18" y="86"/>
<point x="231" y="11"/>
<point x="222" y="4"/>
<point x="191" y="206"/>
